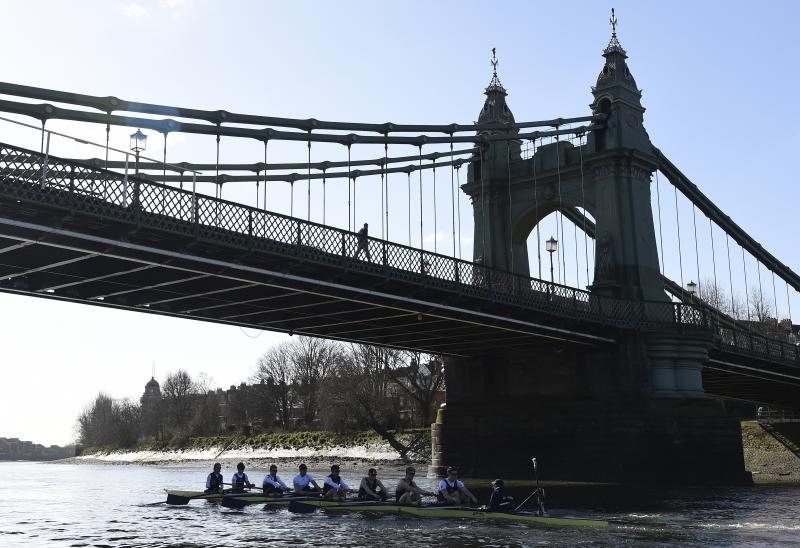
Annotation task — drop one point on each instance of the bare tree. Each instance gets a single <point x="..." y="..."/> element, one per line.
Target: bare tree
<point x="716" y="297"/>
<point x="313" y="359"/>
<point x="276" y="368"/>
<point x="178" y="391"/>
<point x="109" y="422"/>
<point x="760" y="307"/>
<point x="421" y="377"/>
<point x="363" y="387"/>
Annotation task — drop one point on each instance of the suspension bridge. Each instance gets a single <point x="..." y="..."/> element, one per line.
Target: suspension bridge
<point x="620" y="360"/>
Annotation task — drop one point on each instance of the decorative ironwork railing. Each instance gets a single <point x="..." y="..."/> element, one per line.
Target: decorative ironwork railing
<point x="38" y="178"/>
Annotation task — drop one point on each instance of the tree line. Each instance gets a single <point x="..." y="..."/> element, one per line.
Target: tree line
<point x="757" y="309"/>
<point x="305" y="383"/>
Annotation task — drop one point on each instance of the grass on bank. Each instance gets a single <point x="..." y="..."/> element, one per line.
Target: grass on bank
<point x="317" y="440"/>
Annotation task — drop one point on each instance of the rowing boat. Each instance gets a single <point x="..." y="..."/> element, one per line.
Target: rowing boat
<point x="446" y="512"/>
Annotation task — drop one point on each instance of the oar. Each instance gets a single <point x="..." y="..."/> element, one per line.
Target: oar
<point x="179" y="500"/>
<point x="301" y="507"/>
<point x="298" y="507"/>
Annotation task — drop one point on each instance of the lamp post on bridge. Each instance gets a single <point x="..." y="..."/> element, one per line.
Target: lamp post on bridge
<point x="552" y="247"/>
<point x="691" y="287"/>
<point x="138" y="144"/>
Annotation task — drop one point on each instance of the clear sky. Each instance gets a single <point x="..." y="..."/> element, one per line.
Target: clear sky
<point x="719" y="80"/>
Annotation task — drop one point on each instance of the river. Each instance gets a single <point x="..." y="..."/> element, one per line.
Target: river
<point x="115" y="506"/>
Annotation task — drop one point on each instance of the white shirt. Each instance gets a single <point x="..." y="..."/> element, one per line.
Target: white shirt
<point x="277" y="483"/>
<point x="336" y="486"/>
<point x="301" y="482"/>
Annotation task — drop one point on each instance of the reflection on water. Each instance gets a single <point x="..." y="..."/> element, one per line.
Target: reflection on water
<point x="86" y="505"/>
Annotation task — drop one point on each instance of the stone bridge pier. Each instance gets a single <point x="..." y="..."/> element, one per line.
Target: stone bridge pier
<point x="588" y="415"/>
<point x="634" y="411"/>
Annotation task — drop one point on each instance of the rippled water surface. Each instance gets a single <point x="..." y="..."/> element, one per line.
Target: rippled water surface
<point x="87" y="505"/>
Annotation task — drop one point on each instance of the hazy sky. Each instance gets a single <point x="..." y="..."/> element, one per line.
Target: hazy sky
<point x="719" y="80"/>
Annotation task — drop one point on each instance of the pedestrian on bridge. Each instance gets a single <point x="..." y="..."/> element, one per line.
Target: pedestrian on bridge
<point x="363" y="243"/>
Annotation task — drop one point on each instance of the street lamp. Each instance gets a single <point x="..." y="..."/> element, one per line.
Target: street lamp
<point x="691" y="287"/>
<point x="551" y="246"/>
<point x="138" y="144"/>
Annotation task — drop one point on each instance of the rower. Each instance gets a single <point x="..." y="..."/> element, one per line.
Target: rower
<point x="304" y="483"/>
<point x="453" y="490"/>
<point x="371" y="487"/>
<point x="499" y="500"/>
<point x="272" y="483"/>
<point x="407" y="492"/>
<point x="214" y="480"/>
<point x="240" y="480"/>
<point x="334" y="486"/>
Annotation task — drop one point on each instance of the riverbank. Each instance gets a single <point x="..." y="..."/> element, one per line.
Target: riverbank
<point x="309" y="447"/>
<point x="766" y="458"/>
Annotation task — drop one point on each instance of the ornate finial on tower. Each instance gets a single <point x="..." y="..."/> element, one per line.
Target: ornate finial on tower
<point x="613" y="22"/>
<point x="613" y="45"/>
<point x="154" y="370"/>
<point x="495" y="84"/>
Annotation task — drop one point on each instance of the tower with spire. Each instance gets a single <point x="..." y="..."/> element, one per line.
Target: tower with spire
<point x="487" y="180"/>
<point x="621" y="165"/>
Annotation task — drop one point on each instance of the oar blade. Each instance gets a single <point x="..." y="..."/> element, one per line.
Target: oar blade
<point x="177" y="500"/>
<point x="233" y="502"/>
<point x="297" y="507"/>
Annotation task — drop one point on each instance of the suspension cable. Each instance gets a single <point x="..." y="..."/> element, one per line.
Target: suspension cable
<point x="678" y="224"/>
<point x="349" y="177"/>
<point x="760" y="290"/>
<point x="381" y="212"/>
<point x="386" y="185"/>
<point x="453" y="198"/>
<point x="458" y="195"/>
<point x="730" y="275"/>
<point x="775" y="298"/>
<point x="536" y="209"/>
<point x="660" y="232"/>
<point x="696" y="251"/>
<point x="560" y="217"/>
<point x="408" y="173"/>
<point x="108" y="136"/>
<point x="308" y="206"/>
<point x="746" y="288"/>
<point x="219" y="187"/>
<point x="575" y="242"/>
<point x="266" y="142"/>
<point x="324" y="205"/>
<point x="718" y="304"/>
<point x="421" y="242"/>
<point x="583" y="201"/>
<point x="789" y="304"/>
<point x="435" y="221"/>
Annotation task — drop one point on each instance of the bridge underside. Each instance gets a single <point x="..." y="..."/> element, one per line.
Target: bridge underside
<point x="105" y="263"/>
<point x="71" y="257"/>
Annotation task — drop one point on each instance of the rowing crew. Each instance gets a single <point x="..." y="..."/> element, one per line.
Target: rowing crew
<point x="450" y="490"/>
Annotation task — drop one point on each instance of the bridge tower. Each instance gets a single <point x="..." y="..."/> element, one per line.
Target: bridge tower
<point x="634" y="411"/>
